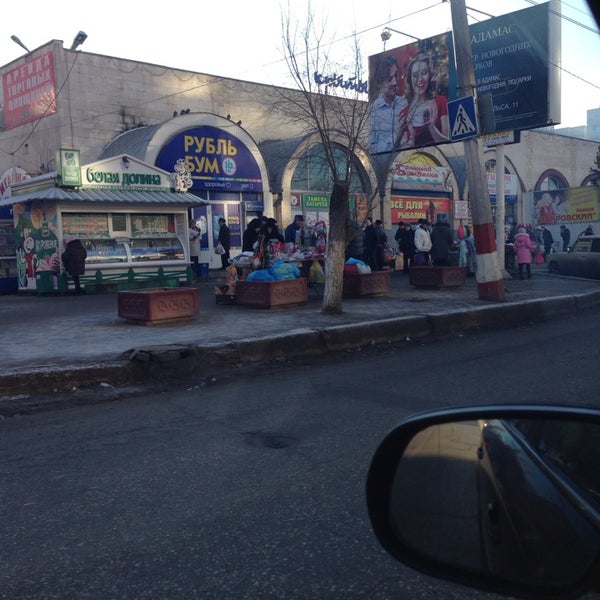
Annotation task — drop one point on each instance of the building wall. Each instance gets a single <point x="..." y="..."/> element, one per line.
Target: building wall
<point x="105" y="96"/>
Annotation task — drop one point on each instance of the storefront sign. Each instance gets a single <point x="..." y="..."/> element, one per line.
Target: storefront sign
<point x="125" y="173"/>
<point x="215" y="159"/>
<point x="510" y="187"/>
<point x="29" y="92"/>
<point x="461" y="209"/>
<point x="412" y="208"/>
<point x="10" y="177"/>
<point x="69" y="167"/>
<point x="421" y="177"/>
<point x="335" y="80"/>
<point x="315" y="201"/>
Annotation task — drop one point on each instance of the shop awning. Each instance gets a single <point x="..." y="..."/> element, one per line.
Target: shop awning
<point x="103" y="195"/>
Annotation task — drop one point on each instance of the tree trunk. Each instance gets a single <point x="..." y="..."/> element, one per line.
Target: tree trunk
<point x="336" y="249"/>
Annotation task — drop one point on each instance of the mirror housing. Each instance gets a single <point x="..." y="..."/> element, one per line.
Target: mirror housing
<point x="425" y="467"/>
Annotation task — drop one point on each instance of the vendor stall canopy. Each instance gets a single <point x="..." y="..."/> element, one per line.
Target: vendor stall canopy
<point x="106" y="195"/>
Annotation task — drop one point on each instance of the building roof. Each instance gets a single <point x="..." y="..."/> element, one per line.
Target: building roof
<point x="133" y="142"/>
<point x="103" y="195"/>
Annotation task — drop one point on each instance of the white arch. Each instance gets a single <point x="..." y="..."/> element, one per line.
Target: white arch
<point x="180" y="123"/>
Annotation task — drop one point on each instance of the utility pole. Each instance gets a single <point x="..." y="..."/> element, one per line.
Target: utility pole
<point x="490" y="281"/>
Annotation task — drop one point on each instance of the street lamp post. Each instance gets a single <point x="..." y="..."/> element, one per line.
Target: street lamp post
<point x="386" y="34"/>
<point x="16" y="40"/>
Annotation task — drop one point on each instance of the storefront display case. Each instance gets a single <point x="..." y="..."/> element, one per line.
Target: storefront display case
<point x="114" y="240"/>
<point x="105" y="251"/>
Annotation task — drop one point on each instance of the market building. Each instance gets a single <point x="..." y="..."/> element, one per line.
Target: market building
<point x="243" y="157"/>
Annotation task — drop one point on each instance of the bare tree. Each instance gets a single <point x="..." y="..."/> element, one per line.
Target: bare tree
<point x="332" y="107"/>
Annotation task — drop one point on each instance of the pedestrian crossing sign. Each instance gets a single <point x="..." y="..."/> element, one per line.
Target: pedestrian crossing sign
<point x="463" y="122"/>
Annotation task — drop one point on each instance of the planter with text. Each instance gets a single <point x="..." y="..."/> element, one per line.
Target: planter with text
<point x="158" y="305"/>
<point x="437" y="277"/>
<point x="376" y="283"/>
<point x="272" y="294"/>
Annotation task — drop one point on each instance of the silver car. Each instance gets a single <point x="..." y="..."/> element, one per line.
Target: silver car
<point x="582" y="260"/>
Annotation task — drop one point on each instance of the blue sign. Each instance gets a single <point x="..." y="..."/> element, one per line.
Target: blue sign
<point x="215" y="159"/>
<point x="462" y="118"/>
<point x="511" y="60"/>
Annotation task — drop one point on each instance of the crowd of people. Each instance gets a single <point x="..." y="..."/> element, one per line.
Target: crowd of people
<point x="419" y="245"/>
<point x="425" y="244"/>
<point x="435" y="245"/>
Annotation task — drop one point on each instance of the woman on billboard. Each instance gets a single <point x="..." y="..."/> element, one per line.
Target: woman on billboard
<point x="425" y="120"/>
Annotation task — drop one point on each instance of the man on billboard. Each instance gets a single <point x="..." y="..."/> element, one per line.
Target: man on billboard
<point x="387" y="106"/>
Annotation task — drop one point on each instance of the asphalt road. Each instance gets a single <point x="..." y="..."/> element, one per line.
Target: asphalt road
<point x="252" y="488"/>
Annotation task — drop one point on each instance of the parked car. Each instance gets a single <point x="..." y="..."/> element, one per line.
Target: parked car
<point x="582" y="260"/>
<point x="500" y="498"/>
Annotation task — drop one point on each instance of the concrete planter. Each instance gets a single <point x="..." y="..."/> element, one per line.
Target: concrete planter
<point x="158" y="305"/>
<point x="272" y="294"/>
<point x="437" y="277"/>
<point x="376" y="283"/>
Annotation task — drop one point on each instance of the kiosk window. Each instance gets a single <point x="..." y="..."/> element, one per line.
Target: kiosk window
<point x="119" y="222"/>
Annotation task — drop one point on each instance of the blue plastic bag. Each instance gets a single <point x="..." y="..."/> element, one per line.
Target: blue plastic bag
<point x="284" y="270"/>
<point x="260" y="275"/>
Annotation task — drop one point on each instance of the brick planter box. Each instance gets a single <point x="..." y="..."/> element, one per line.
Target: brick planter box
<point x="437" y="277"/>
<point x="158" y="305"/>
<point x="272" y="294"/>
<point x="376" y="283"/>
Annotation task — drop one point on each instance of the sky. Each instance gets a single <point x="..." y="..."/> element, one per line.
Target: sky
<point x="242" y="40"/>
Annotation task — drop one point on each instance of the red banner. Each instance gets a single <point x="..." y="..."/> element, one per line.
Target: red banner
<point x="412" y="208"/>
<point x="29" y="91"/>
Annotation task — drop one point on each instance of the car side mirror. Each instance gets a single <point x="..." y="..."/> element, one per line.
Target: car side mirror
<point x="505" y="499"/>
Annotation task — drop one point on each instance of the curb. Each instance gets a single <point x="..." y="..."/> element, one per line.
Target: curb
<point x="159" y="363"/>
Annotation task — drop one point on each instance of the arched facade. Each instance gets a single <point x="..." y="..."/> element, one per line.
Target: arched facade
<point x="121" y="107"/>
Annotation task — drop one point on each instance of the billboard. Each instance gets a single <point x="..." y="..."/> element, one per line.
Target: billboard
<point x="566" y="207"/>
<point x="408" y="93"/>
<point x="515" y="57"/>
<point x="29" y="91"/>
<point x="515" y="60"/>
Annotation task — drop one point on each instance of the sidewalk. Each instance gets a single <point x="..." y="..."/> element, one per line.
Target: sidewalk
<point x="61" y="342"/>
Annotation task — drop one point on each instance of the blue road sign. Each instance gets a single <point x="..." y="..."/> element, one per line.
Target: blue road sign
<point x="463" y="122"/>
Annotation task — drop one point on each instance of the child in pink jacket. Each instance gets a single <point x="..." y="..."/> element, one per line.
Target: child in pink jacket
<point x="523" y="247"/>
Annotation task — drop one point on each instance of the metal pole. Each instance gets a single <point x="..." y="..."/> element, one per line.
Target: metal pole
<point x="490" y="282"/>
<point x="500" y="209"/>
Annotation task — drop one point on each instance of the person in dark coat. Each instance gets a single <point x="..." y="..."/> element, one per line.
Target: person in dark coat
<point x="380" y="245"/>
<point x="294" y="232"/>
<point x="73" y="259"/>
<point x="547" y="239"/>
<point x="354" y="240"/>
<point x="370" y="244"/>
<point x="565" y="234"/>
<point x="441" y="242"/>
<point x="250" y="236"/>
<point x="225" y="239"/>
<point x="406" y="245"/>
